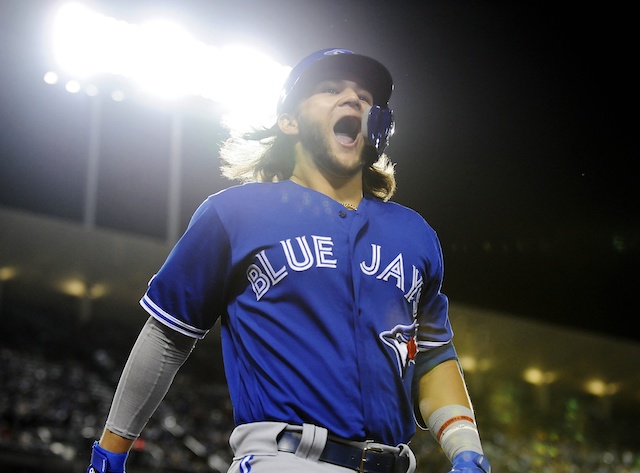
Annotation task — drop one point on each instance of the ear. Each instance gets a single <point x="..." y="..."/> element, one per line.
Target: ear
<point x="288" y="124"/>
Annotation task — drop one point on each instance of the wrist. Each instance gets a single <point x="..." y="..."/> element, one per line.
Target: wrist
<point x="454" y="427"/>
<point x="104" y="461"/>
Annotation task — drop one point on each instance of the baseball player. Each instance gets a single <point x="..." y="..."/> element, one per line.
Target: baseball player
<point x="335" y="336"/>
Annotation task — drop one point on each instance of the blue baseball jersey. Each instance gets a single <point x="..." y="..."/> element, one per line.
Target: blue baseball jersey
<point x="322" y="309"/>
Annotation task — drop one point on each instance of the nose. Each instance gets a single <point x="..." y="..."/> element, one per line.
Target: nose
<point x="350" y="98"/>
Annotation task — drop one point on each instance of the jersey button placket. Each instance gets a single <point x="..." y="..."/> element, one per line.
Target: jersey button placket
<point x="342" y="213"/>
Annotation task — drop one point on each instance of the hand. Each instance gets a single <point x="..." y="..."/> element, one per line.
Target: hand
<point x="104" y="461"/>
<point x="470" y="462"/>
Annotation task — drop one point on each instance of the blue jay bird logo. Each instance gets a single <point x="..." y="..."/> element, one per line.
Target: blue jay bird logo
<point x="401" y="339"/>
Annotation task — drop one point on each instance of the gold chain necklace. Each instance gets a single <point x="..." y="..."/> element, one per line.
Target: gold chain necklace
<point x="348" y="206"/>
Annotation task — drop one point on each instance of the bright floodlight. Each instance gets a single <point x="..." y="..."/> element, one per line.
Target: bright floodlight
<point x="165" y="60"/>
<point x="50" y="78"/>
<point x="72" y="86"/>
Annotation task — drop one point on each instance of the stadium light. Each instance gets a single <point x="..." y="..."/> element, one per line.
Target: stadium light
<point x="471" y="364"/>
<point x="73" y="287"/>
<point x="600" y="388"/>
<point x="164" y="60"/>
<point x="78" y="288"/>
<point x="73" y="86"/>
<point x="50" y="78"/>
<point x="538" y="377"/>
<point x="7" y="273"/>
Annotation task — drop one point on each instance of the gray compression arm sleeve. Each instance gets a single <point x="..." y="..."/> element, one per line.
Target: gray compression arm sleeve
<point x="156" y="357"/>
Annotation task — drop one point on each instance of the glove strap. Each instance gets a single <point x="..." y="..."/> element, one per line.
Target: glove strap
<point x="483" y="462"/>
<point x="468" y="458"/>
<point x="104" y="461"/>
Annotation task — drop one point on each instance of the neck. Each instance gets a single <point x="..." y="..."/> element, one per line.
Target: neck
<point x="347" y="191"/>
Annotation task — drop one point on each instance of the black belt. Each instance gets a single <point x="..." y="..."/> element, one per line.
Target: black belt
<point x="364" y="460"/>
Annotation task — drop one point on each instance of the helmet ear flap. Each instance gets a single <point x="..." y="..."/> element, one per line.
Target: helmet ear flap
<point x="378" y="125"/>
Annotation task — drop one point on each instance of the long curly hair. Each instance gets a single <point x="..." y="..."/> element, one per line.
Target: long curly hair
<point x="267" y="155"/>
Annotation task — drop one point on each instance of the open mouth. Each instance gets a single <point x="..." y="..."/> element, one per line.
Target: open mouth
<point x="347" y="130"/>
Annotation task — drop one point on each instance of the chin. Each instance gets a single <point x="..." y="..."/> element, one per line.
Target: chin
<point x="351" y="162"/>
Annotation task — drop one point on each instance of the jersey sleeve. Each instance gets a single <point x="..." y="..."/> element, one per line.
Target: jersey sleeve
<point x="434" y="329"/>
<point x="435" y="333"/>
<point x="187" y="293"/>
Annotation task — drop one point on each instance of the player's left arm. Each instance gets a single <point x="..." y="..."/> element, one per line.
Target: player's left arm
<point x="445" y="404"/>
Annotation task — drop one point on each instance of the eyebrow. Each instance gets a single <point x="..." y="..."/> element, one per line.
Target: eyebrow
<point x="359" y="84"/>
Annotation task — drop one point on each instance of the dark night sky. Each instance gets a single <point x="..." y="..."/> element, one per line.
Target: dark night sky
<point x="513" y="137"/>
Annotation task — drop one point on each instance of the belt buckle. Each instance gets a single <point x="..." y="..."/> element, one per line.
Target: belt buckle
<point x="363" y="456"/>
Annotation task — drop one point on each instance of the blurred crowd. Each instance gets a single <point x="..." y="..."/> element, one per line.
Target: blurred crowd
<point x="54" y="400"/>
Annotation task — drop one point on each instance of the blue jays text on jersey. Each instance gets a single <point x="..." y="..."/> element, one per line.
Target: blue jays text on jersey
<point x="302" y="256"/>
<point x="322" y="309"/>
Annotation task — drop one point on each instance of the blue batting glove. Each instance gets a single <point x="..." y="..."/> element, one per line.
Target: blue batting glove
<point x="104" y="461"/>
<point x="470" y="462"/>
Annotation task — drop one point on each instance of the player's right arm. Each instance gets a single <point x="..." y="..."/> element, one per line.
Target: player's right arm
<point x="114" y="443"/>
<point x="155" y="359"/>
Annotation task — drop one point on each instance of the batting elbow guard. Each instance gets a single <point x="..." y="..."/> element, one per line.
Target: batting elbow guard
<point x="104" y="461"/>
<point x="470" y="462"/>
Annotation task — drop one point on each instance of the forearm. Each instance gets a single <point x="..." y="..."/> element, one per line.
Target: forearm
<point x="443" y="385"/>
<point x="444" y="403"/>
<point x="155" y="359"/>
<point x="114" y="443"/>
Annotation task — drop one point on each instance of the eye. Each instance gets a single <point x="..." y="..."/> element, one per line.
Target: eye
<point x="326" y="87"/>
<point x="331" y="89"/>
<point x="366" y="98"/>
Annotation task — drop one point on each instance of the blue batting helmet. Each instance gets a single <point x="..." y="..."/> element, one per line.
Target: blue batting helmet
<point x="326" y="64"/>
